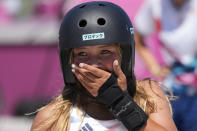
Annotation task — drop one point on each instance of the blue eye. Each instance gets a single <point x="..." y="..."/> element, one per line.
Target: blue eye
<point x="82" y="54"/>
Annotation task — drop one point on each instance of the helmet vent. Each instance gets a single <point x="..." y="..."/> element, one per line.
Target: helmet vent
<point x="82" y="6"/>
<point x="82" y="23"/>
<point x="101" y="4"/>
<point x="101" y="21"/>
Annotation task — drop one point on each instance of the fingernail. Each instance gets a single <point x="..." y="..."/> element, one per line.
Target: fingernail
<point x="73" y="70"/>
<point x="73" y="65"/>
<point x="116" y="62"/>
<point x="81" y="65"/>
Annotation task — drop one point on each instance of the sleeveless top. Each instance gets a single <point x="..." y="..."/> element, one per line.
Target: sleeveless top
<point x="88" y="123"/>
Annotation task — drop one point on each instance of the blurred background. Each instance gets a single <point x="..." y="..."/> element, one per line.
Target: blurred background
<point x="30" y="74"/>
<point x="29" y="67"/>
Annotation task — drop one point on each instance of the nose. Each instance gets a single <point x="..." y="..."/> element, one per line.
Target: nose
<point x="94" y="62"/>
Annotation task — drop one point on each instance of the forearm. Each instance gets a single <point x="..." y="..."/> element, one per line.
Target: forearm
<point x="150" y="61"/>
<point x="153" y="126"/>
<point x="121" y="105"/>
<point x="146" y="55"/>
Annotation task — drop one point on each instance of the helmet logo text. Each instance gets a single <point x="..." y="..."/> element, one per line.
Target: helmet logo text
<point x="93" y="36"/>
<point x="132" y="31"/>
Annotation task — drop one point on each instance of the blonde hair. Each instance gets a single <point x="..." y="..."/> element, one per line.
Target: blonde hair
<point x="64" y="103"/>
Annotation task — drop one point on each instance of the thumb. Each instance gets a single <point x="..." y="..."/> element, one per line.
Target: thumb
<point x="117" y="68"/>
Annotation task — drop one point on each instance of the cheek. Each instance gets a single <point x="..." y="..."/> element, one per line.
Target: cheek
<point x="107" y="62"/>
<point x="77" y="61"/>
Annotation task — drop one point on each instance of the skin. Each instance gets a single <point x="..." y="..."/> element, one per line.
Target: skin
<point x="159" y="71"/>
<point x="92" y="67"/>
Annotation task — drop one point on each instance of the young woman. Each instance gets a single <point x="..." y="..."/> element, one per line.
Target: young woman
<point x="96" y="43"/>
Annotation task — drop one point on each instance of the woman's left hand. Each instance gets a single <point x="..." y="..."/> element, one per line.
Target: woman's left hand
<point x="93" y="78"/>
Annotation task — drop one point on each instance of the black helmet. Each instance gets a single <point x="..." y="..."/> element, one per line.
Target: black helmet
<point x="95" y="23"/>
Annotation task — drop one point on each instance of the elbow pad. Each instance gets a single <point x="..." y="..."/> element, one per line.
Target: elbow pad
<point x="121" y="105"/>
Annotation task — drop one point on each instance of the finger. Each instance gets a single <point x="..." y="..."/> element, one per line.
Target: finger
<point x="117" y="68"/>
<point x="91" y="83"/>
<point x="90" y="87"/>
<point x="96" y="71"/>
<point x="91" y="80"/>
<point x="84" y="81"/>
<point x="82" y="73"/>
<point x="85" y="73"/>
